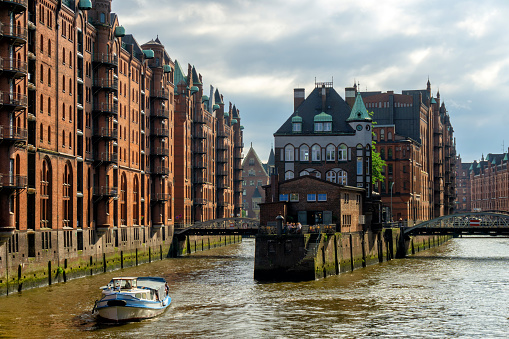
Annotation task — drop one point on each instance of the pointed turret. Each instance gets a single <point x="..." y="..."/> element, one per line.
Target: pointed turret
<point x="359" y="111"/>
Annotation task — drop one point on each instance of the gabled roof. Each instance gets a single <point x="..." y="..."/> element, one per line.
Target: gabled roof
<point x="359" y="111"/>
<point x="256" y="193"/>
<point x="252" y="153"/>
<point x="217" y="97"/>
<point x="271" y="160"/>
<point x="334" y="106"/>
<point x="235" y="112"/>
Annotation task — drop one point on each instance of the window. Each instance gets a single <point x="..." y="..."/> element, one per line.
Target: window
<point x="297" y="127"/>
<point x="311" y="197"/>
<point x="389" y="167"/>
<point x="389" y="136"/>
<point x="382" y="134"/>
<point x="342" y="176"/>
<point x="283" y="197"/>
<point x="294" y="197"/>
<point x="359" y="165"/>
<point x="288" y="175"/>
<point x="303" y="173"/>
<point x="382" y="154"/>
<point x="304" y="153"/>
<point x="251" y="161"/>
<point x="329" y="153"/>
<point x="327" y="126"/>
<point x="346" y="198"/>
<point x="251" y="182"/>
<point x="330" y="176"/>
<point x="342" y="155"/>
<point x="318" y="126"/>
<point x="322" y="196"/>
<point x="389" y="153"/>
<point x="289" y="151"/>
<point x="315" y="151"/>
<point x="259" y="183"/>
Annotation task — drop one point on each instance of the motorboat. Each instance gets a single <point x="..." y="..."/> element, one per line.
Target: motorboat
<point x="133" y="298"/>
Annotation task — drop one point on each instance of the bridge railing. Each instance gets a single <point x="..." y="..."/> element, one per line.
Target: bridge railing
<point x="304" y="229"/>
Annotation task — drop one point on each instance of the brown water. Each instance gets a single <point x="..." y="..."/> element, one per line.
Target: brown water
<point x="458" y="290"/>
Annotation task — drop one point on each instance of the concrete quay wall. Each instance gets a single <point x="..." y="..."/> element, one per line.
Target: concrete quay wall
<point x="48" y="270"/>
<point x="295" y="257"/>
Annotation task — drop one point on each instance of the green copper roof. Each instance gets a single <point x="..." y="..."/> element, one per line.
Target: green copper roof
<point x="149" y="54"/>
<point x="194" y="89"/>
<point x="506" y="158"/>
<point x="479" y="165"/>
<point x="297" y="119"/>
<point x="85" y="5"/>
<point x="179" y="74"/>
<point x="167" y="68"/>
<point x="322" y="117"/>
<point x="493" y="162"/>
<point x="216" y="106"/>
<point x="196" y="79"/>
<point x="241" y="127"/>
<point x="226" y="114"/>
<point x="119" y="31"/>
<point x="204" y="98"/>
<point x="359" y="111"/>
<point x="234" y="121"/>
<point x="433" y="101"/>
<point x="488" y="157"/>
<point x="471" y="167"/>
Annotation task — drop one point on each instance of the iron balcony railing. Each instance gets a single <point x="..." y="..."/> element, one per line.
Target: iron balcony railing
<point x="160" y="151"/>
<point x="18" y="67"/>
<point x="106" y="83"/>
<point x="161" y="94"/>
<point x="15" y="100"/>
<point x="107" y="157"/>
<point x="106" y="108"/>
<point x="17" y="34"/>
<point x="107" y="59"/>
<point x="161" y="113"/>
<point x="160" y="197"/>
<point x="161" y="170"/>
<point x="13" y="181"/>
<point x="161" y="132"/>
<point x="13" y="133"/>
<point x="105" y="191"/>
<point x="107" y="133"/>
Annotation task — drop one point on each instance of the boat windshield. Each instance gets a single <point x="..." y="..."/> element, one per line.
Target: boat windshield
<point x="122" y="283"/>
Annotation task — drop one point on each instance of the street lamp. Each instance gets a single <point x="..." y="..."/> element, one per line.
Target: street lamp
<point x="392" y="184"/>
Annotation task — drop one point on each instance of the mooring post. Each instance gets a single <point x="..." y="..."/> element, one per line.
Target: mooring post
<point x="279" y="224"/>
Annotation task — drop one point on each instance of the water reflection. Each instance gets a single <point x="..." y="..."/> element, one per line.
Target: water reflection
<point x="457" y="290"/>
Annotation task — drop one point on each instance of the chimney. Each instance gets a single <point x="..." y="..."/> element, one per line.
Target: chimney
<point x="324" y="97"/>
<point x="350" y="94"/>
<point x="298" y="97"/>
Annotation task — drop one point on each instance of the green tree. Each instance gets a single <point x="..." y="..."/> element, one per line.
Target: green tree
<point x="377" y="163"/>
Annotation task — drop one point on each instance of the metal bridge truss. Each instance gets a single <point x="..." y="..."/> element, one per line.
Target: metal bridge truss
<point x="226" y="226"/>
<point x="490" y="223"/>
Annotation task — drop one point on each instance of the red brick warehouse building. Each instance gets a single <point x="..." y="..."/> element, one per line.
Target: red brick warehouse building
<point x="94" y="128"/>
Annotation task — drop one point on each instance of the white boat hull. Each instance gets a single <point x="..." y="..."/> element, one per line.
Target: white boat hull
<point x="123" y="313"/>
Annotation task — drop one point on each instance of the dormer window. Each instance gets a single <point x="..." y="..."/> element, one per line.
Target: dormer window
<point x="296" y="124"/>
<point x="323" y="122"/>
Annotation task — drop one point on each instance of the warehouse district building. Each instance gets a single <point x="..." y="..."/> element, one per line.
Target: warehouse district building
<point x="106" y="144"/>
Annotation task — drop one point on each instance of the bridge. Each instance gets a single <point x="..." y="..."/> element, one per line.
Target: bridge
<point x="472" y="223"/>
<point x="225" y="226"/>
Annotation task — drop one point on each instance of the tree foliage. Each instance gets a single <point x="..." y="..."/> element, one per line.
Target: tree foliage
<point x="377" y="163"/>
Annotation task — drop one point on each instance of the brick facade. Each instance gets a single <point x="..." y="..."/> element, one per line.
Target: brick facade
<point x="93" y="138"/>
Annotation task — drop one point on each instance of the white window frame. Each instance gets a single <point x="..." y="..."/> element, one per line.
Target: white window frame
<point x="316" y="151"/>
<point x="342" y="152"/>
<point x="330" y="153"/>
<point x="304" y="153"/>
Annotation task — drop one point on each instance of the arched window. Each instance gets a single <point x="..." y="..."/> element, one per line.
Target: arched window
<point x="45" y="195"/>
<point x="63" y="138"/>
<point x="315" y="153"/>
<point x="66" y="196"/>
<point x="49" y="106"/>
<point x="123" y="200"/>
<point x="330" y="176"/>
<point x="382" y="134"/>
<point x="49" y="134"/>
<point x="41" y="133"/>
<point x="70" y="140"/>
<point x="49" y="47"/>
<point x="389" y="153"/>
<point x="303" y="173"/>
<point x="41" y="74"/>
<point x="342" y="177"/>
<point x="304" y="153"/>
<point x="41" y="103"/>
<point x="330" y="152"/>
<point x="389" y="136"/>
<point x="382" y="154"/>
<point x="136" y="206"/>
<point x="289" y="152"/>
<point x="289" y="175"/>
<point x="63" y="55"/>
<point x="342" y="152"/>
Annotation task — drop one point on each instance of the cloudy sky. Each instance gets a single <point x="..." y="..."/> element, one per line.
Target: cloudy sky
<point x="256" y="52"/>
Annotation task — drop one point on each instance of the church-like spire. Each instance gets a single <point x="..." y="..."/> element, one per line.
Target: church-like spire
<point x="359" y="111"/>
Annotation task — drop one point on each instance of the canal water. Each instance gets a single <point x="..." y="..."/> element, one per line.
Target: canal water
<point x="460" y="290"/>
